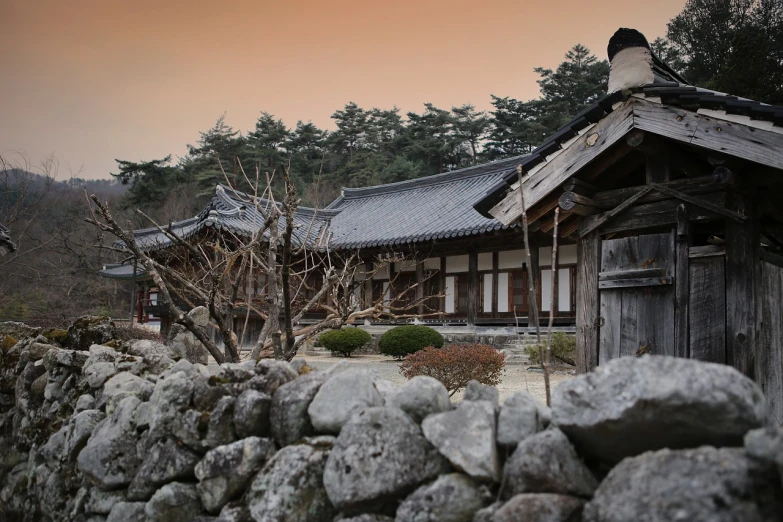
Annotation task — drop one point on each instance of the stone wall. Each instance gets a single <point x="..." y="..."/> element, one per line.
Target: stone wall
<point x="126" y="433"/>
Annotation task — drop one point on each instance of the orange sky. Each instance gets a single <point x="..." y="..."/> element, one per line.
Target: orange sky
<point x="94" y="80"/>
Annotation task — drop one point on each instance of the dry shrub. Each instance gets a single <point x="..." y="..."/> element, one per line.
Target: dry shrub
<point x="456" y="364"/>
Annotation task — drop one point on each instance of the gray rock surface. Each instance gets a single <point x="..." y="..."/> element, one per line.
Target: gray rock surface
<point x="695" y="485"/>
<point x="89" y="330"/>
<point x="174" y="502"/>
<point x="466" y="437"/>
<point x="379" y="454"/>
<point x="220" y="429"/>
<point x="109" y="459"/>
<point x="451" y="498"/>
<point x="251" y="414"/>
<point x="226" y="471"/>
<point x="123" y="385"/>
<point x="475" y="391"/>
<point x="547" y="463"/>
<point x="542" y="507"/>
<point x="366" y="518"/>
<point x="166" y="461"/>
<point x="421" y="396"/>
<point x="766" y="444"/>
<point x="632" y="405"/>
<point x="288" y="415"/>
<point x="340" y="398"/>
<point x="291" y="487"/>
<point x="127" y="512"/>
<point x="520" y="417"/>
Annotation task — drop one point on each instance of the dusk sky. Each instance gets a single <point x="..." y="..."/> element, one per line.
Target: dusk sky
<point x="94" y="80"/>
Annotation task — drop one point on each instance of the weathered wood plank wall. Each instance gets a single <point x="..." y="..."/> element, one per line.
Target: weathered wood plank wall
<point x="769" y="355"/>
<point x="707" y="309"/>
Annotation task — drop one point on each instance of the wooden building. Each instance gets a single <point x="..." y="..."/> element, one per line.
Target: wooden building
<point x="428" y="223"/>
<point x="672" y="194"/>
<point x="6" y="246"/>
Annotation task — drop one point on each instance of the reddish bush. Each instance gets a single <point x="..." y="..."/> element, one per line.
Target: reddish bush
<point x="456" y="364"/>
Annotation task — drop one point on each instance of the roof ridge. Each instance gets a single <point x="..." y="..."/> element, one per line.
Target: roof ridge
<point x="427" y="181"/>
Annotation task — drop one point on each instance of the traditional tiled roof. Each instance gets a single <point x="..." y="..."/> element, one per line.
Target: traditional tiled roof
<point x="664" y="91"/>
<point x="6" y="246"/>
<point x="235" y="212"/>
<point x="423" y="209"/>
<point x="124" y="271"/>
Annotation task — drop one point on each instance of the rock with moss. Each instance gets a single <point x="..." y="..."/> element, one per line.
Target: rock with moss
<point x="89" y="330"/>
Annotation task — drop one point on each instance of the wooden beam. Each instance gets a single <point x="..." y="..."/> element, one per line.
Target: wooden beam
<point x="682" y="283"/>
<point x="588" y="254"/>
<point x="603" y="218"/>
<point x="556" y="172"/>
<point x="635" y="282"/>
<point x="568" y="226"/>
<point x="578" y="204"/>
<point x="742" y="277"/>
<point x="495" y="264"/>
<point x="650" y="215"/>
<point x="699" y="202"/>
<point x="641" y="273"/>
<point x="580" y="187"/>
<point x="549" y="224"/>
<point x="703" y="185"/>
<point x="727" y="137"/>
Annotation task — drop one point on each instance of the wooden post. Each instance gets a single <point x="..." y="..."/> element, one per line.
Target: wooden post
<point x="534" y="290"/>
<point x="682" y="284"/>
<point x="443" y="287"/>
<point x="473" y="287"/>
<point x="368" y="268"/>
<point x="588" y="254"/>
<point x="420" y="286"/>
<point x="495" y="263"/>
<point x="742" y="276"/>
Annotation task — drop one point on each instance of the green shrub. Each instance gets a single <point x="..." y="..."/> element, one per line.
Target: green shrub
<point x="405" y="340"/>
<point x="344" y="341"/>
<point x="563" y="349"/>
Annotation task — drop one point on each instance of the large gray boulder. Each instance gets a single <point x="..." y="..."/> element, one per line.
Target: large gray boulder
<point x="170" y="397"/>
<point x="766" y="444"/>
<point x="127" y="512"/>
<point x="547" y="463"/>
<point x="185" y="345"/>
<point x="421" y="396"/>
<point x="340" y="397"/>
<point x="476" y="391"/>
<point x="166" y="461"/>
<point x="123" y="385"/>
<point x="89" y="330"/>
<point x="226" y="471"/>
<point x="174" y="502"/>
<point x="291" y="485"/>
<point x="288" y="417"/>
<point x="66" y="444"/>
<point x="251" y="414"/>
<point x="695" y="485"/>
<point x="380" y="455"/>
<point x="520" y="417"/>
<point x="632" y="405"/>
<point x="451" y="498"/>
<point x="543" y="507"/>
<point x="466" y="436"/>
<point x="109" y="460"/>
<point x="220" y="429"/>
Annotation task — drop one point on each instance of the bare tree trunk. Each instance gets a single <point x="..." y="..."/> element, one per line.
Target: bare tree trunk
<point x="546" y="361"/>
<point x="532" y="299"/>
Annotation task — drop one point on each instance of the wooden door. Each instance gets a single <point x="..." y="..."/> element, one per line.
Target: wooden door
<point x="637" y="299"/>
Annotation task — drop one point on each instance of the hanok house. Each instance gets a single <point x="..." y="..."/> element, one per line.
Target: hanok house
<point x="428" y="225"/>
<point x="6" y="246"/>
<point x="673" y="196"/>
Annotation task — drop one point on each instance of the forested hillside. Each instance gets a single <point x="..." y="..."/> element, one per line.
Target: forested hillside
<point x="370" y="145"/>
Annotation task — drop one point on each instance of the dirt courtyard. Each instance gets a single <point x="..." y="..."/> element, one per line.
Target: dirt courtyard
<point x="515" y="377"/>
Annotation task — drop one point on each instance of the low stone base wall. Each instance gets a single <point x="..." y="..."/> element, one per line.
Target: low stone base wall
<point x="125" y="433"/>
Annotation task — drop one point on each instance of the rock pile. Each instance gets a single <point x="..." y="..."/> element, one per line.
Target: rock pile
<point x="127" y="433"/>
